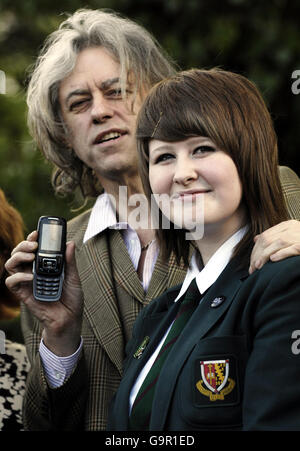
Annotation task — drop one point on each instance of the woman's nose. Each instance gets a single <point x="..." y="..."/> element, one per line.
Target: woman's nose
<point x="185" y="172"/>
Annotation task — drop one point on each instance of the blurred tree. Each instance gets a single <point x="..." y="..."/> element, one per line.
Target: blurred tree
<point x="259" y="39"/>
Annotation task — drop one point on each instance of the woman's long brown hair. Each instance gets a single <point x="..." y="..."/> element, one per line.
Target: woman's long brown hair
<point x="227" y="108"/>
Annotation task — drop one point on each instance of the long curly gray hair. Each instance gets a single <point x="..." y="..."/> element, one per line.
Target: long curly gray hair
<point x="133" y="47"/>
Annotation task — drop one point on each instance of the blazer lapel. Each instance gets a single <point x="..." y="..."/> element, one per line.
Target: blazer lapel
<point x="165" y="275"/>
<point x="202" y="321"/>
<point x="124" y="271"/>
<point x="100" y="304"/>
<point x="101" y="307"/>
<point x="162" y="317"/>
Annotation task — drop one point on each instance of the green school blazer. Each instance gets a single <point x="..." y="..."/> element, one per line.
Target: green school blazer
<point x="233" y="366"/>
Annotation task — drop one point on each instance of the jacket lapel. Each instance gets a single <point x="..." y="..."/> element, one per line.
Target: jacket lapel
<point x="162" y="317"/>
<point x="101" y="308"/>
<point x="122" y="267"/>
<point x="202" y="321"/>
<point x="165" y="275"/>
<point x="155" y="325"/>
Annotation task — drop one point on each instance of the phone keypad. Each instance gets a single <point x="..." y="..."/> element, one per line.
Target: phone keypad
<point x="47" y="286"/>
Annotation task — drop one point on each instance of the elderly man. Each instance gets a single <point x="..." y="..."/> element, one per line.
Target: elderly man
<point x="83" y="99"/>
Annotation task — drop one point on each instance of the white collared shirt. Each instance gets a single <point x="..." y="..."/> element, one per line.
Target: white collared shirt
<point x="102" y="217"/>
<point x="204" y="279"/>
<point x="213" y="268"/>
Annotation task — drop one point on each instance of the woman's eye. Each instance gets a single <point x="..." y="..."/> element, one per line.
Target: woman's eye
<point x="163" y="157"/>
<point x="204" y="149"/>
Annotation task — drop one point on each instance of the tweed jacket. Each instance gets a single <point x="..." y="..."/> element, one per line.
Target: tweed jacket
<point x="290" y="183"/>
<point x="113" y="297"/>
<point x="234" y="366"/>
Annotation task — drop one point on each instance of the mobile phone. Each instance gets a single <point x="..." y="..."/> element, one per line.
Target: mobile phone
<point x="48" y="266"/>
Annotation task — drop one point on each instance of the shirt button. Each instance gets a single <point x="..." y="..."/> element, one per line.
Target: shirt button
<point x="58" y="375"/>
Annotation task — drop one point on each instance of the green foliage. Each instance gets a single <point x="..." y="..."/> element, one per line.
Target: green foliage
<point x="259" y="39"/>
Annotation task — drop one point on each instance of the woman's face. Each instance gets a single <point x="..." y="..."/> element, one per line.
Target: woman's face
<point x="194" y="169"/>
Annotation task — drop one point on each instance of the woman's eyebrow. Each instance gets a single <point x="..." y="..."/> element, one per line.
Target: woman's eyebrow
<point x="162" y="147"/>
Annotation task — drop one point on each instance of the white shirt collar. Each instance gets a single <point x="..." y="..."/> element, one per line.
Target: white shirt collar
<point x="211" y="271"/>
<point x="102" y="216"/>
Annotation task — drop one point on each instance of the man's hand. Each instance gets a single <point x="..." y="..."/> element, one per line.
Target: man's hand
<point x="276" y="243"/>
<point x="61" y="320"/>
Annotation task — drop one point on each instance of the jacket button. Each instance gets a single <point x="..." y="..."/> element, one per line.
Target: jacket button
<point x="218" y="301"/>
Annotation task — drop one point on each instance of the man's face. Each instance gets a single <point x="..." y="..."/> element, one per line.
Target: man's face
<point x="100" y="123"/>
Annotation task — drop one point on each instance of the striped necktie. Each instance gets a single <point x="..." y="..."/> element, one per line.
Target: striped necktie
<point x="141" y="410"/>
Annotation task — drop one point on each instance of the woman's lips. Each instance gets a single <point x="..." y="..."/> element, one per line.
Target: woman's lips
<point x="191" y="194"/>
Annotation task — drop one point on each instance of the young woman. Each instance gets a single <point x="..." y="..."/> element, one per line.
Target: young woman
<point x="217" y="352"/>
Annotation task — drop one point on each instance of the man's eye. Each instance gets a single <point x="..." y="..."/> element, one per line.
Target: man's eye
<point x="78" y="104"/>
<point x="115" y="92"/>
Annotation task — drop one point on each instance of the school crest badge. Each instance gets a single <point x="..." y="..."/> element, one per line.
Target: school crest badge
<point x="215" y="382"/>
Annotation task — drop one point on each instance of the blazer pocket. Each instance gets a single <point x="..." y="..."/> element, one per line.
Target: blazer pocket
<point x="215" y="370"/>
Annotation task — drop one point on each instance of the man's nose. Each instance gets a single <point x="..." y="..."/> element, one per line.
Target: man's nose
<point x="101" y="110"/>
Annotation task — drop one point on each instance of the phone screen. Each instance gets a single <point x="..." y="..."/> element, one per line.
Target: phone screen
<point x="51" y="237"/>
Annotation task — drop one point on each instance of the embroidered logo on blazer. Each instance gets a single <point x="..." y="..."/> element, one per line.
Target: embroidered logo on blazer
<point x="215" y="382"/>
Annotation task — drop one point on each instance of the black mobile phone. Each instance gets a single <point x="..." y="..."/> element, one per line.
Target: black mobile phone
<point x="48" y="266"/>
